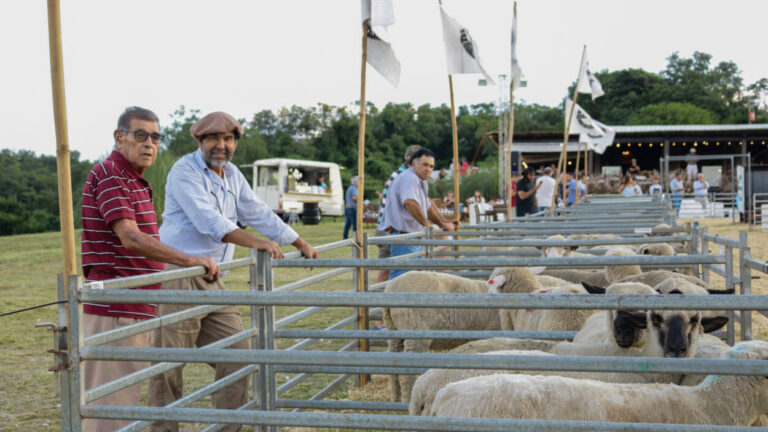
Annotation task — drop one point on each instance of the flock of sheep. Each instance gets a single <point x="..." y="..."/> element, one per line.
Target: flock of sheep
<point x="583" y="396"/>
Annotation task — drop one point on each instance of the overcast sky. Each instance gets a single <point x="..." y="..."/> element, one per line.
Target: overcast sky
<point x="242" y="56"/>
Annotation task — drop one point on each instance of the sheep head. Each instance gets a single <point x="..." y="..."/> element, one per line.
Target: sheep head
<point x="674" y="333"/>
<point x="508" y="280"/>
<point x="556" y="251"/>
<point x="655" y="249"/>
<point x="625" y="333"/>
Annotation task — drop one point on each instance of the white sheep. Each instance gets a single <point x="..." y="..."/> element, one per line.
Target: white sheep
<point x="616" y="273"/>
<point x="608" y="327"/>
<point x="719" y="400"/>
<point x="511" y="280"/>
<point x="592" y="277"/>
<point x="633" y="273"/>
<point x="560" y="251"/>
<point x="433" y="319"/>
<point x="661" y="249"/>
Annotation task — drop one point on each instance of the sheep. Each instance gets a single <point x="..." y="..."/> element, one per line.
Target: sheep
<point x="608" y="327"/>
<point x="560" y="251"/>
<point x="546" y="281"/>
<point x="615" y="273"/>
<point x="719" y="400"/>
<point x="433" y="319"/>
<point x="592" y="277"/>
<point x="678" y="247"/>
<point x="663" y="249"/>
<point x="430" y="382"/>
<point x="501" y="344"/>
<point x="633" y="273"/>
<point x="509" y="280"/>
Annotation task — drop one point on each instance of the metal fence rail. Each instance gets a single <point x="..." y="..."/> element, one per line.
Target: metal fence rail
<point x="633" y="218"/>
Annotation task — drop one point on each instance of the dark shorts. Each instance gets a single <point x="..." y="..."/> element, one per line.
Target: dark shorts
<point x="384" y="251"/>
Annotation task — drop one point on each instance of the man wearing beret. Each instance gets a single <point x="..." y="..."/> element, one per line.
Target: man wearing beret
<point x="205" y="197"/>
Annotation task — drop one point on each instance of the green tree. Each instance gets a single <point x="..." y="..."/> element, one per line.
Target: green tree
<point x="671" y="113"/>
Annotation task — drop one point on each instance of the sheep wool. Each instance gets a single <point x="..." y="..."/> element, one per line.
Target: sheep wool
<point x="719" y="400"/>
<point x="432" y="318"/>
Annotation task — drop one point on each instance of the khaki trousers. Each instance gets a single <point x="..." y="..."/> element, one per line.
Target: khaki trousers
<point x="98" y="372"/>
<point x="197" y="332"/>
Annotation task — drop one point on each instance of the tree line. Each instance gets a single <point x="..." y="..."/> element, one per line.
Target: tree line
<point x="688" y="91"/>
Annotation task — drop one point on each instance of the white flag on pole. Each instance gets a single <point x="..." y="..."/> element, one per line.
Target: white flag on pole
<point x="461" y="52"/>
<point x="516" y="71"/>
<point x="380" y="53"/>
<point x="588" y="83"/>
<point x="596" y="135"/>
<point x="598" y="143"/>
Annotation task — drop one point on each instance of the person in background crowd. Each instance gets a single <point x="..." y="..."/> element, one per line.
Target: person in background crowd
<point x="700" y="191"/>
<point x="409" y="208"/>
<point x="206" y="196"/>
<point x="512" y="191"/>
<point x="636" y="185"/>
<point x="443" y="174"/>
<point x="448" y="200"/>
<point x="677" y="187"/>
<point x="633" y="169"/>
<point x="384" y="250"/>
<point x="464" y="166"/>
<point x="321" y="183"/>
<point x="350" y="208"/>
<point x="628" y="188"/>
<point x="572" y="189"/>
<point x="526" y="194"/>
<point x="476" y="198"/>
<point x="655" y="188"/>
<point x="120" y="239"/>
<point x="692" y="168"/>
<point x="544" y="194"/>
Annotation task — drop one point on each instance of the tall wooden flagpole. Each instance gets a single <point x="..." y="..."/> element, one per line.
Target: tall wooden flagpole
<point x="62" y="141"/>
<point x="455" y="134"/>
<point x="508" y="149"/>
<point x="576" y="170"/>
<point x="362" y="315"/>
<point x="561" y="166"/>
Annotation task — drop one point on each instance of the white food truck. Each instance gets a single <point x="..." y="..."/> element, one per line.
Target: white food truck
<point x="286" y="184"/>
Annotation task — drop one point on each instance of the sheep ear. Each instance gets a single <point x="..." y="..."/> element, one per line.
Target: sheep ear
<point x="537" y="270"/>
<point x="636" y="319"/>
<point x="728" y="291"/>
<point x="495" y="283"/>
<point x="715" y="323"/>
<point x="646" y="252"/>
<point x="573" y="248"/>
<point x="593" y="289"/>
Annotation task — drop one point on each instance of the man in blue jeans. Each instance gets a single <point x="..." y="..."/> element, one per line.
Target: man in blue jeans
<point x="677" y="187"/>
<point x="409" y="208"/>
<point x="350" y="210"/>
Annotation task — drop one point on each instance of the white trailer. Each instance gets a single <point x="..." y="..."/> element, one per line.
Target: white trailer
<point x="285" y="184"/>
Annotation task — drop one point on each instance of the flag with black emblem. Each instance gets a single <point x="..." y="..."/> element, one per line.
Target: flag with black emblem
<point x="461" y="52"/>
<point x="588" y="83"/>
<point x="380" y="53"/>
<point x="596" y="135"/>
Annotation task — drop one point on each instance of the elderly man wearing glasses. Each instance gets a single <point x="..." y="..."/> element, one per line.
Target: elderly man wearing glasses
<point x="206" y="197"/>
<point x="120" y="239"/>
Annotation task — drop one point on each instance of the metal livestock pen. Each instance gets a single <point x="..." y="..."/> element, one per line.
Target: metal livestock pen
<point x="633" y="219"/>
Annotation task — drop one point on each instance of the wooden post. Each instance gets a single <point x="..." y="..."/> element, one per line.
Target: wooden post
<point x="508" y="148"/>
<point x="455" y="134"/>
<point x="566" y="133"/>
<point x="362" y="322"/>
<point x="62" y="141"/>
<point x="576" y="170"/>
<point x="587" y="155"/>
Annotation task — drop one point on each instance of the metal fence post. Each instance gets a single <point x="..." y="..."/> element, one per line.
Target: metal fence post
<point x="262" y="338"/>
<point x="255" y="284"/>
<point x="269" y="327"/>
<point x="60" y="357"/>
<point x="731" y="330"/>
<point x="745" y="274"/>
<point x="704" y="251"/>
<point x="76" y="366"/>
<point x="362" y="322"/>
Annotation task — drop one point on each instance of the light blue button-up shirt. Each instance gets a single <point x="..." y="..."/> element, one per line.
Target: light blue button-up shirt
<point x="406" y="186"/>
<point x="201" y="208"/>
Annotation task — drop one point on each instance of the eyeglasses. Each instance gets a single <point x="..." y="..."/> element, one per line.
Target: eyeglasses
<point x="141" y="135"/>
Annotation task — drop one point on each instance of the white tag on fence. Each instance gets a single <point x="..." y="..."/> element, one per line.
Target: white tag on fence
<point x="99" y="285"/>
<point x="643" y="230"/>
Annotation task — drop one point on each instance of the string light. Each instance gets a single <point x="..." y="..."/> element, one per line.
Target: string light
<point x="741" y="143"/>
<point x="729" y="143"/>
<point x="695" y="143"/>
<point x="629" y="144"/>
<point x="639" y="144"/>
<point x="661" y="144"/>
<point x="618" y="145"/>
<point x="718" y="143"/>
<point x="650" y="144"/>
<point x="683" y="143"/>
<point x="674" y="144"/>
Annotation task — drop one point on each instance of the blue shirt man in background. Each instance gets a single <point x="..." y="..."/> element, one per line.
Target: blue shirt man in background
<point x="350" y="208"/>
<point x="409" y="208"/>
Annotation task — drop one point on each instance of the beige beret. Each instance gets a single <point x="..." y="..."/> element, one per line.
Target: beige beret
<point x="215" y="122"/>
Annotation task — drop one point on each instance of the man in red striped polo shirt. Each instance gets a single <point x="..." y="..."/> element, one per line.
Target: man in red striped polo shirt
<point x="120" y="238"/>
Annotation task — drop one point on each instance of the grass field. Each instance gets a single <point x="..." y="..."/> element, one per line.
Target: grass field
<point x="29" y="264"/>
